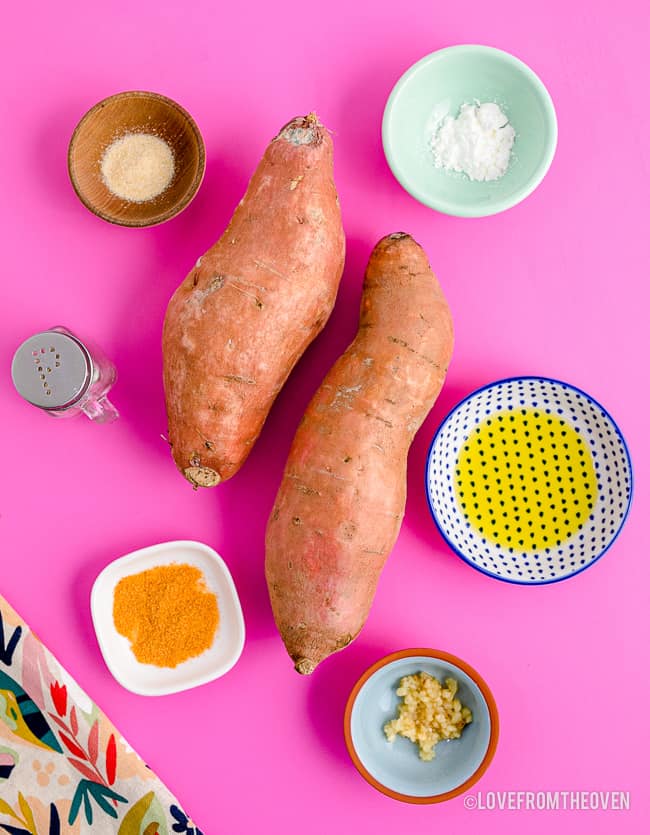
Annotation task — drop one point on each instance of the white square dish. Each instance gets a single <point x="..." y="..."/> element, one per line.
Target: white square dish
<point x="147" y="679"/>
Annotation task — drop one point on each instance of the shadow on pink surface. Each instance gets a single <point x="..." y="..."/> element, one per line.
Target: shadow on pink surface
<point x="329" y="688"/>
<point x="175" y="247"/>
<point x="51" y="150"/>
<point x="418" y="517"/>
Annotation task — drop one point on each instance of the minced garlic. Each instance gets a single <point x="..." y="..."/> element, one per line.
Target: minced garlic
<point x="137" y="167"/>
<point x="428" y="713"/>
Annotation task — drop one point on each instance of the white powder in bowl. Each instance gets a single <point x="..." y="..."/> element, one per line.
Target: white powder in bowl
<point x="137" y="167"/>
<point x="477" y="142"/>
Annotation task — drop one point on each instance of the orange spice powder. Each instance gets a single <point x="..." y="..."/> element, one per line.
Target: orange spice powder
<point x="167" y="613"/>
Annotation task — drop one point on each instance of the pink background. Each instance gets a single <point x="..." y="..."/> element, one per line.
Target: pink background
<point x="556" y="286"/>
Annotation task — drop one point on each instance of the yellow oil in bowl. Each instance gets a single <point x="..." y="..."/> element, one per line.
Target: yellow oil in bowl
<point x="525" y="480"/>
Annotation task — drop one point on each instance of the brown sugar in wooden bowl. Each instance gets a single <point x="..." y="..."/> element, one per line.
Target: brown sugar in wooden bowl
<point x="136" y="112"/>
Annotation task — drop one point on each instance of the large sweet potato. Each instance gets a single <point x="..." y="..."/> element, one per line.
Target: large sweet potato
<point x="341" y="502"/>
<point x="242" y="318"/>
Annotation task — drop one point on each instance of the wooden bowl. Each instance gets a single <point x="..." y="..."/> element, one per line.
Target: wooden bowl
<point x="136" y="112"/>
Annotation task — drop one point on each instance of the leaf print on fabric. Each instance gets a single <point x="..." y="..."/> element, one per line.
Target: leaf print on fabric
<point x="24" y="817"/>
<point x="59" y="695"/>
<point x="8" y="646"/>
<point x="23" y="717"/>
<point x="146" y="817"/>
<point x="72" y="747"/>
<point x="76" y="695"/>
<point x="93" y="742"/>
<point x="183" y="823"/>
<point x="88" y="809"/>
<point x="27" y="814"/>
<point x="68" y="735"/>
<point x="75" y="770"/>
<point x="76" y="803"/>
<point x="61" y="724"/>
<point x="74" y="722"/>
<point x="55" y="821"/>
<point x="111" y="760"/>
<point x="100" y="794"/>
<point x="87" y="772"/>
<point x="8" y="761"/>
<point x="132" y="823"/>
<point x="35" y="675"/>
<point x="105" y="805"/>
<point x="34" y="816"/>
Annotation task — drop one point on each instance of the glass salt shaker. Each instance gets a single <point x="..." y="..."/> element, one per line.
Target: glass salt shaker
<point x="60" y="374"/>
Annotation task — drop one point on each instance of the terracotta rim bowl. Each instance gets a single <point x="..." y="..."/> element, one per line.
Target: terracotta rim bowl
<point x="490" y="712"/>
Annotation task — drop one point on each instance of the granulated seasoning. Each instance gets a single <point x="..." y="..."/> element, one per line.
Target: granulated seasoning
<point x="167" y="613"/>
<point x="137" y="167"/>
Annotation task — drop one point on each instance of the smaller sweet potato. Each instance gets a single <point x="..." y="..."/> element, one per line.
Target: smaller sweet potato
<point x="341" y="501"/>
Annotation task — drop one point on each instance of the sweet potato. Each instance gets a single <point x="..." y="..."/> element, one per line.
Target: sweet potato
<point x="341" y="501"/>
<point x="245" y="314"/>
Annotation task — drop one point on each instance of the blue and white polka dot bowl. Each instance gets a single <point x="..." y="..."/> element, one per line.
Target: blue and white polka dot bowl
<point x="504" y="412"/>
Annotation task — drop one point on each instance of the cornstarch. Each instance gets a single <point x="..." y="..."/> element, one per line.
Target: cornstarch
<point x="477" y="142"/>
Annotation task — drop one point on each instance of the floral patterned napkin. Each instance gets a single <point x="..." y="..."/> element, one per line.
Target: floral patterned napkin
<point x="64" y="768"/>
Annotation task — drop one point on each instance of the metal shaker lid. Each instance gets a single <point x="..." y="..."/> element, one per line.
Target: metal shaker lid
<point x="51" y="370"/>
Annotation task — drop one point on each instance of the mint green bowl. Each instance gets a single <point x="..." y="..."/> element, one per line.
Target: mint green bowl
<point x="440" y="84"/>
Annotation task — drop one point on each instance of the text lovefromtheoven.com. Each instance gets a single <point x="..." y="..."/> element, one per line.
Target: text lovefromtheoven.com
<point x="576" y="801"/>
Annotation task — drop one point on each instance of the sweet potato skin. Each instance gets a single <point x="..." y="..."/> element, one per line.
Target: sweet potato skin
<point x="341" y="501"/>
<point x="245" y="314"/>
